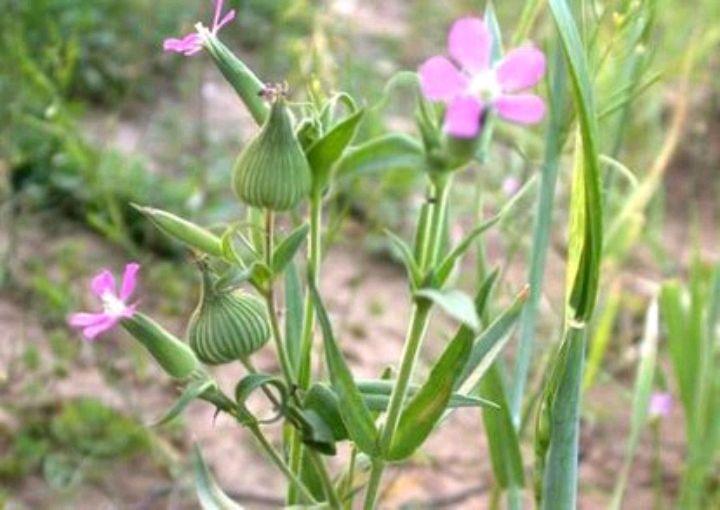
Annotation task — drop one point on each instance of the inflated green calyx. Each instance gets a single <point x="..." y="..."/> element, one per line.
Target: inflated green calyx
<point x="226" y="325"/>
<point x="272" y="171"/>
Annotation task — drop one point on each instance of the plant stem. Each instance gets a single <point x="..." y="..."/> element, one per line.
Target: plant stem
<point x="279" y="462"/>
<point x="306" y="342"/>
<point x="378" y="466"/>
<point x="314" y="257"/>
<point x="348" y="492"/>
<point x="330" y="492"/>
<point x="415" y="335"/>
<point x="270" y="301"/>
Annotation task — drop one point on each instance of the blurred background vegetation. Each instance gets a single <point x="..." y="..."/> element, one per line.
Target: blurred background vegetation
<point x="95" y="117"/>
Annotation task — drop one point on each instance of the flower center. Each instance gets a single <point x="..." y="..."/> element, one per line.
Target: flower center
<point x="485" y="85"/>
<point x="113" y="305"/>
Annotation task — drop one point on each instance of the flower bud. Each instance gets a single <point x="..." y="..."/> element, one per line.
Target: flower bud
<point x="184" y="231"/>
<point x="226" y="325"/>
<point x="272" y="171"/>
<point x="243" y="80"/>
<point x="176" y="358"/>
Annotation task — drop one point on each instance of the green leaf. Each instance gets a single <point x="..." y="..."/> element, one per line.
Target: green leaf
<point x="542" y="229"/>
<point x="286" y="250"/>
<point x="209" y="494"/>
<point x="387" y="153"/>
<point x="190" y="393"/>
<point x="293" y="314"/>
<point x="408" y="258"/>
<point x="586" y="201"/>
<point x="503" y="442"/>
<point x="427" y="406"/>
<point x="455" y="303"/>
<point x="324" y="402"/>
<point x="561" y="407"/>
<point x="377" y="395"/>
<point x="324" y="153"/>
<point x="445" y="267"/>
<point x="251" y="382"/>
<point x="488" y="346"/>
<point x="355" y="413"/>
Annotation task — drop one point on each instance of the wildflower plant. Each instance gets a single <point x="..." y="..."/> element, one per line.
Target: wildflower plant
<point x="289" y="166"/>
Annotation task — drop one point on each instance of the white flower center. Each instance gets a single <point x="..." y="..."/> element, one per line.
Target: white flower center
<point x="485" y="85"/>
<point x="113" y="305"/>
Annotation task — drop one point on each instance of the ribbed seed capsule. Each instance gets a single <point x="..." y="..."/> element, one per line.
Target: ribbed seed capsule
<point x="272" y="171"/>
<point x="226" y="325"/>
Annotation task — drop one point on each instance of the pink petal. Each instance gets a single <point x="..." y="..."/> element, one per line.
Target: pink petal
<point x="129" y="280"/>
<point x="521" y="108"/>
<point x="218" y="10"/>
<point x="470" y="43"/>
<point x="102" y="283"/>
<point x="81" y="320"/>
<point x="91" y="332"/>
<point x="226" y="19"/>
<point x="462" y="118"/>
<point x="188" y="45"/>
<point x="440" y="79"/>
<point x="521" y="68"/>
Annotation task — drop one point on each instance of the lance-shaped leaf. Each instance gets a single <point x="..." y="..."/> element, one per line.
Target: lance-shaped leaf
<point x="209" y="493"/>
<point x="354" y="411"/>
<point x="388" y="153"/>
<point x="293" y="314"/>
<point x="503" y="442"/>
<point x="427" y="407"/>
<point x="190" y="393"/>
<point x="324" y="153"/>
<point x="446" y="266"/>
<point x="455" y="303"/>
<point x="490" y="343"/>
<point x="287" y="249"/>
<point x="407" y="257"/>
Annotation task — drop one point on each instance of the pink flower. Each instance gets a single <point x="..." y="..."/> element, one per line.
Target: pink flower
<point x="192" y="43"/>
<point x="661" y="404"/>
<point x="115" y="307"/>
<point x="474" y="84"/>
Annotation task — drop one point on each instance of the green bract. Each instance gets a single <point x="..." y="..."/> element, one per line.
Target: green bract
<point x="272" y="171"/>
<point x="227" y="325"/>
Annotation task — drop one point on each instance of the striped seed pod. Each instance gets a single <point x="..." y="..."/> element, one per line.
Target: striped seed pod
<point x="272" y="171"/>
<point x="226" y="325"/>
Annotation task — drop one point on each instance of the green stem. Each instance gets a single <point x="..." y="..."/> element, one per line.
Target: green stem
<point x="279" y="462"/>
<point x="270" y="301"/>
<point x="373" y="488"/>
<point x="328" y="487"/>
<point x="415" y="335"/>
<point x="348" y="491"/>
<point x="314" y="256"/>
<point x="306" y="342"/>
